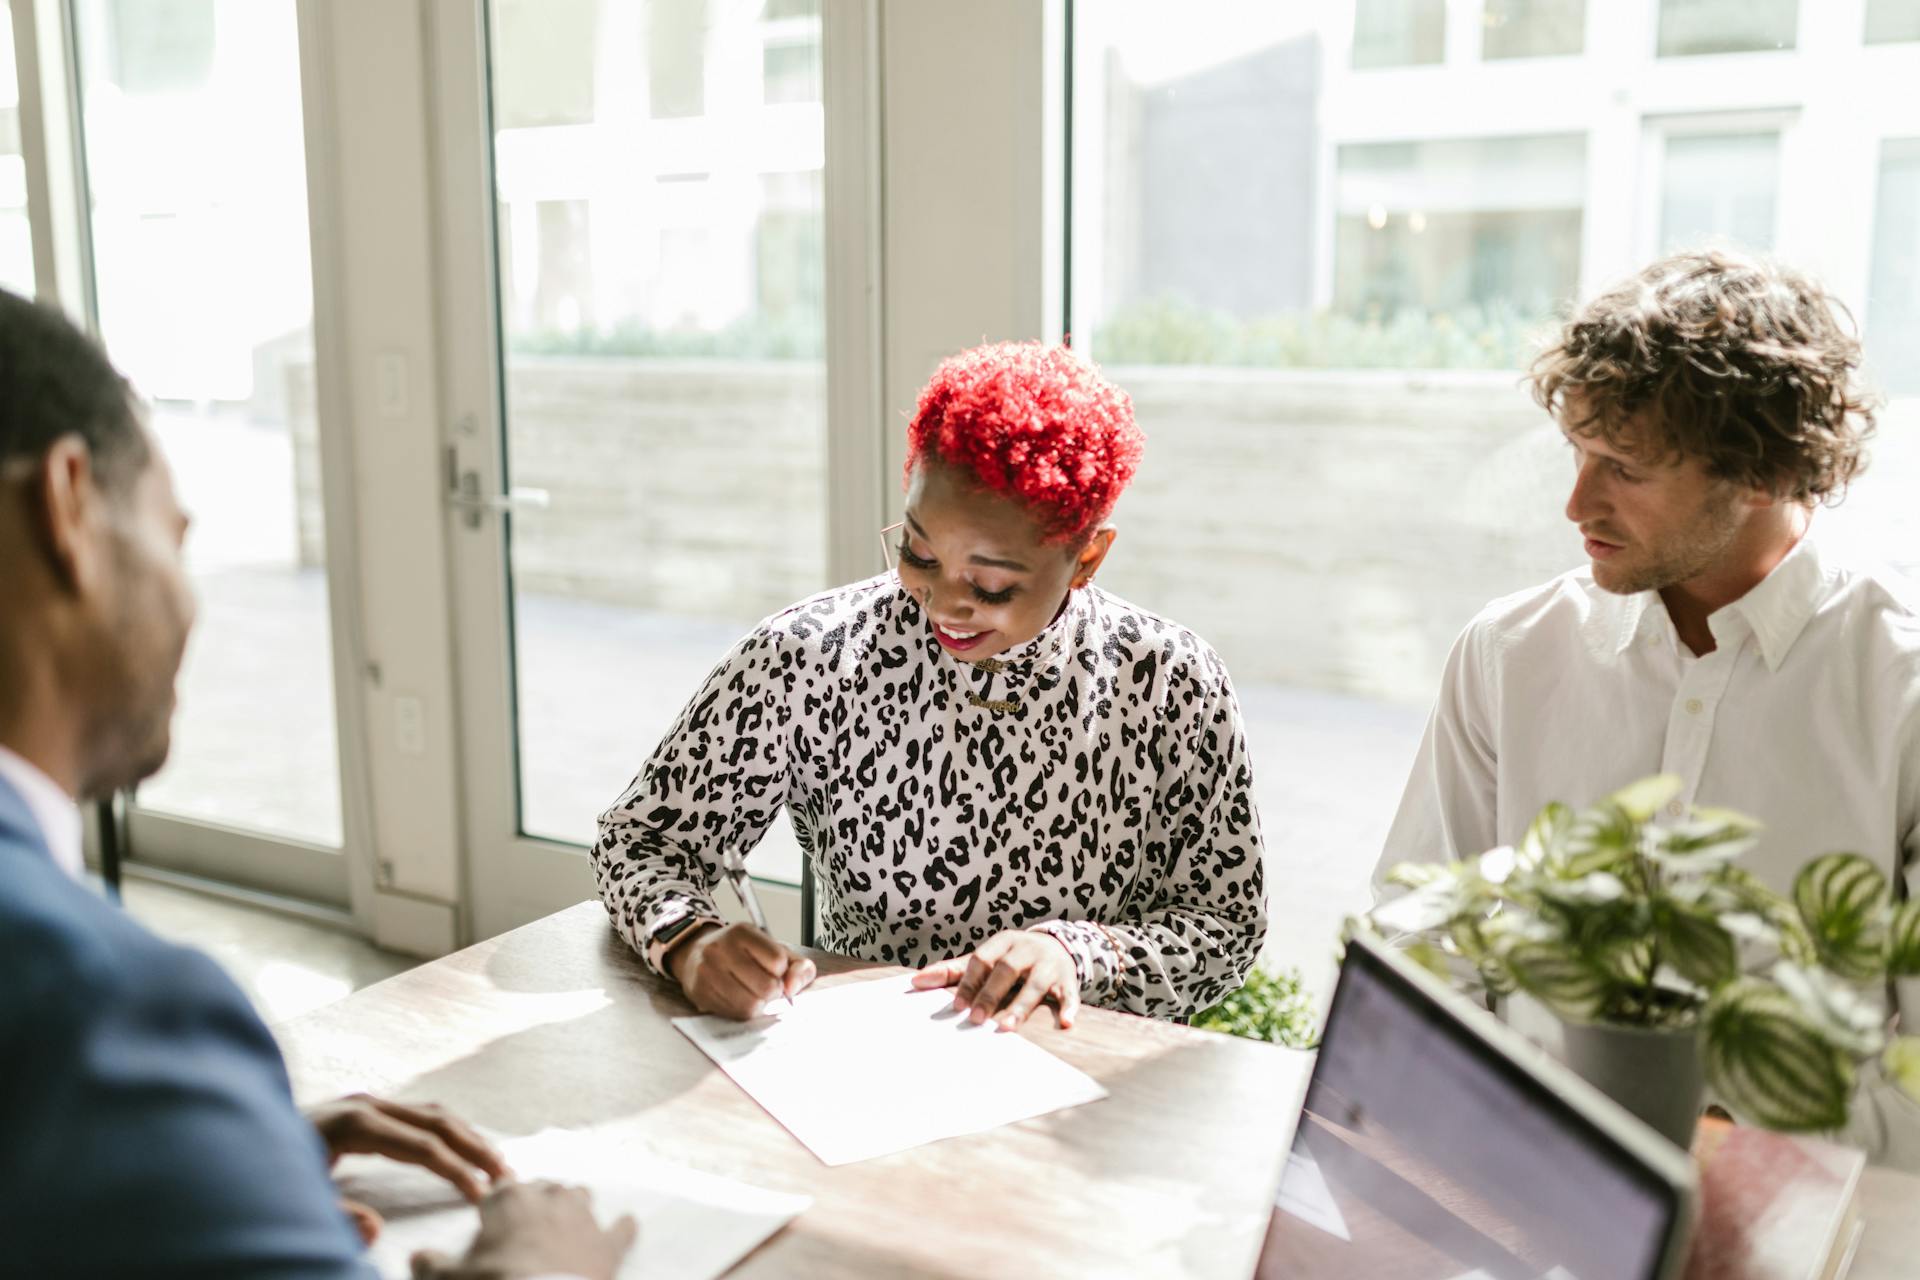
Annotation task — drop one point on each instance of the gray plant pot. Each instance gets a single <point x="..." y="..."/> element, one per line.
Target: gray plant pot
<point x="1656" y="1074"/>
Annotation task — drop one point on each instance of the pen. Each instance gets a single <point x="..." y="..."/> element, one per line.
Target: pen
<point x="736" y="869"/>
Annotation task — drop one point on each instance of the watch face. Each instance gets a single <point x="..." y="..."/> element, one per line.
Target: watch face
<point x="673" y="929"/>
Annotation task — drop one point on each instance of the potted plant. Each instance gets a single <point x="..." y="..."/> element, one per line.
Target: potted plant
<point x="1668" y="963"/>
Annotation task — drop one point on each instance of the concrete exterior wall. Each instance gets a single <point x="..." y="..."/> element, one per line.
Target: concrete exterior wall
<point x="1324" y="530"/>
<point x="680" y="487"/>
<point x="1335" y="530"/>
<point x="695" y="488"/>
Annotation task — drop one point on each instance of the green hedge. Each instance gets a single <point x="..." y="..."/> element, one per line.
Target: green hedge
<point x="1273" y="1007"/>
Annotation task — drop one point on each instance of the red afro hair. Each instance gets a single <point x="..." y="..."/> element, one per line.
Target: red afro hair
<point x="1034" y="423"/>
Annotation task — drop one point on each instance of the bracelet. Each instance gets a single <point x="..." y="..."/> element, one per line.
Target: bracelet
<point x="1119" y="955"/>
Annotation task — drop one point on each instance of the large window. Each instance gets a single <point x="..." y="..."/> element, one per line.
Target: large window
<point x="676" y="58"/>
<point x="1893" y="21"/>
<point x="1534" y="28"/>
<point x="1399" y="33"/>
<point x="1893" y="308"/>
<point x="1726" y="26"/>
<point x="196" y="172"/>
<point x="1484" y="231"/>
<point x="1321" y="290"/>
<point x="16" y="237"/>
<point x="1719" y="188"/>
<point x="662" y="318"/>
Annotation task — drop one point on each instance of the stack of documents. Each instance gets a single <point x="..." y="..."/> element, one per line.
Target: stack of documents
<point x="875" y="1067"/>
<point x="693" y="1226"/>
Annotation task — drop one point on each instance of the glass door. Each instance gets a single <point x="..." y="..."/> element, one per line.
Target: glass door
<point x="639" y="457"/>
<point x="195" y="175"/>
<point x="16" y="234"/>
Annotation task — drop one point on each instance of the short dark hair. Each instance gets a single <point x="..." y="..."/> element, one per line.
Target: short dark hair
<point x="55" y="381"/>
<point x="1722" y="356"/>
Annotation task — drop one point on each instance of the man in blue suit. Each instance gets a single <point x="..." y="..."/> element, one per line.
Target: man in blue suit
<point x="146" y="1123"/>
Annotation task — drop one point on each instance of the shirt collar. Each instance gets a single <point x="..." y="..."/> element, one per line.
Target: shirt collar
<point x="1629" y="618"/>
<point x="1775" y="611"/>
<point x="52" y="808"/>
<point x="1779" y="608"/>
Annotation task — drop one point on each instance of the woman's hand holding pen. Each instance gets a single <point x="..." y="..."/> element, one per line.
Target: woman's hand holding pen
<point x="1008" y="977"/>
<point x="736" y="969"/>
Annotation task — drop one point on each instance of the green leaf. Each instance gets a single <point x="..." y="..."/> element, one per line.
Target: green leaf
<point x="1431" y="958"/>
<point x="1737" y="889"/>
<point x="1903" y="941"/>
<point x="1834" y="1007"/>
<point x="1692" y="994"/>
<point x="1628" y="962"/>
<point x="1603" y="838"/>
<point x="1546" y="837"/>
<point x="1497" y="864"/>
<point x="1431" y="906"/>
<point x="1701" y="844"/>
<point x="1901" y="1062"/>
<point x="1696" y="945"/>
<point x="1641" y="800"/>
<point x="1417" y="875"/>
<point x="1746" y="926"/>
<point x="1843" y="899"/>
<point x="1591" y="889"/>
<point x="1724" y="817"/>
<point x="1770" y="1064"/>
<point x="1567" y="983"/>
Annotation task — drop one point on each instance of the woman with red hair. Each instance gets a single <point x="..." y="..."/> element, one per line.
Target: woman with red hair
<point x="1004" y="777"/>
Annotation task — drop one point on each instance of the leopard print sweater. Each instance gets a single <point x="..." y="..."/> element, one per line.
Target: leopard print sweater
<point x="1093" y="783"/>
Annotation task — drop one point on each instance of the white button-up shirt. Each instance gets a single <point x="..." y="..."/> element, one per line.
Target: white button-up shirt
<point x="1805" y="716"/>
<point x="52" y="808"/>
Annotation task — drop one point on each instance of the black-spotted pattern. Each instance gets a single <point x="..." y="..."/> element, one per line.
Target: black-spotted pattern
<point x="1093" y="784"/>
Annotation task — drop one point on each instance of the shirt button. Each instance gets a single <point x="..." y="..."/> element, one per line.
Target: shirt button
<point x="1675" y="808"/>
<point x="1693" y="706"/>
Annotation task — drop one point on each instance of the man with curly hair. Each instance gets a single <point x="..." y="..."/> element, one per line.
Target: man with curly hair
<point x="1710" y="405"/>
<point x="1023" y="786"/>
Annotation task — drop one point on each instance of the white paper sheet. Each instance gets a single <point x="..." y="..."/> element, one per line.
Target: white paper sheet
<point x="870" y="1068"/>
<point x="1304" y="1194"/>
<point x="693" y="1225"/>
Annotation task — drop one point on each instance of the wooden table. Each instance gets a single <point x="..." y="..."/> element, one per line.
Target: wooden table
<point x="559" y="1024"/>
<point x="1890" y="1206"/>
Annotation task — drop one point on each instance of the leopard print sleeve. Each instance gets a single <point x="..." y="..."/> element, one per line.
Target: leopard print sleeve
<point x="1202" y="916"/>
<point x="715" y="782"/>
<point x="1092" y="783"/>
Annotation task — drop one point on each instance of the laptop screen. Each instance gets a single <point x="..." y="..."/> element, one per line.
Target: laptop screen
<point x="1424" y="1150"/>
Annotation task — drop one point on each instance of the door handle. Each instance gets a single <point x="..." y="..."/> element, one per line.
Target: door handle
<point x="473" y="504"/>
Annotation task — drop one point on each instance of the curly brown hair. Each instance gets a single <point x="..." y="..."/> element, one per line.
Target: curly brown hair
<point x="1717" y="355"/>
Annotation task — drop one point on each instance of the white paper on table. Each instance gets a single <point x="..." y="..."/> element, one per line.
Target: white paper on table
<point x="1304" y="1194"/>
<point x="693" y="1225"/>
<point x="870" y="1068"/>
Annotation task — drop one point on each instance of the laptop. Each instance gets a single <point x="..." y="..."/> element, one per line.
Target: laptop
<point x="1436" y="1142"/>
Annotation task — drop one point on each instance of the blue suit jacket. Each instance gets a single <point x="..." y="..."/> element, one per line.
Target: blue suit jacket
<point x="146" y="1123"/>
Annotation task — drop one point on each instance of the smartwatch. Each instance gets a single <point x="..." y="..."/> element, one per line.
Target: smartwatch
<point x="673" y="932"/>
